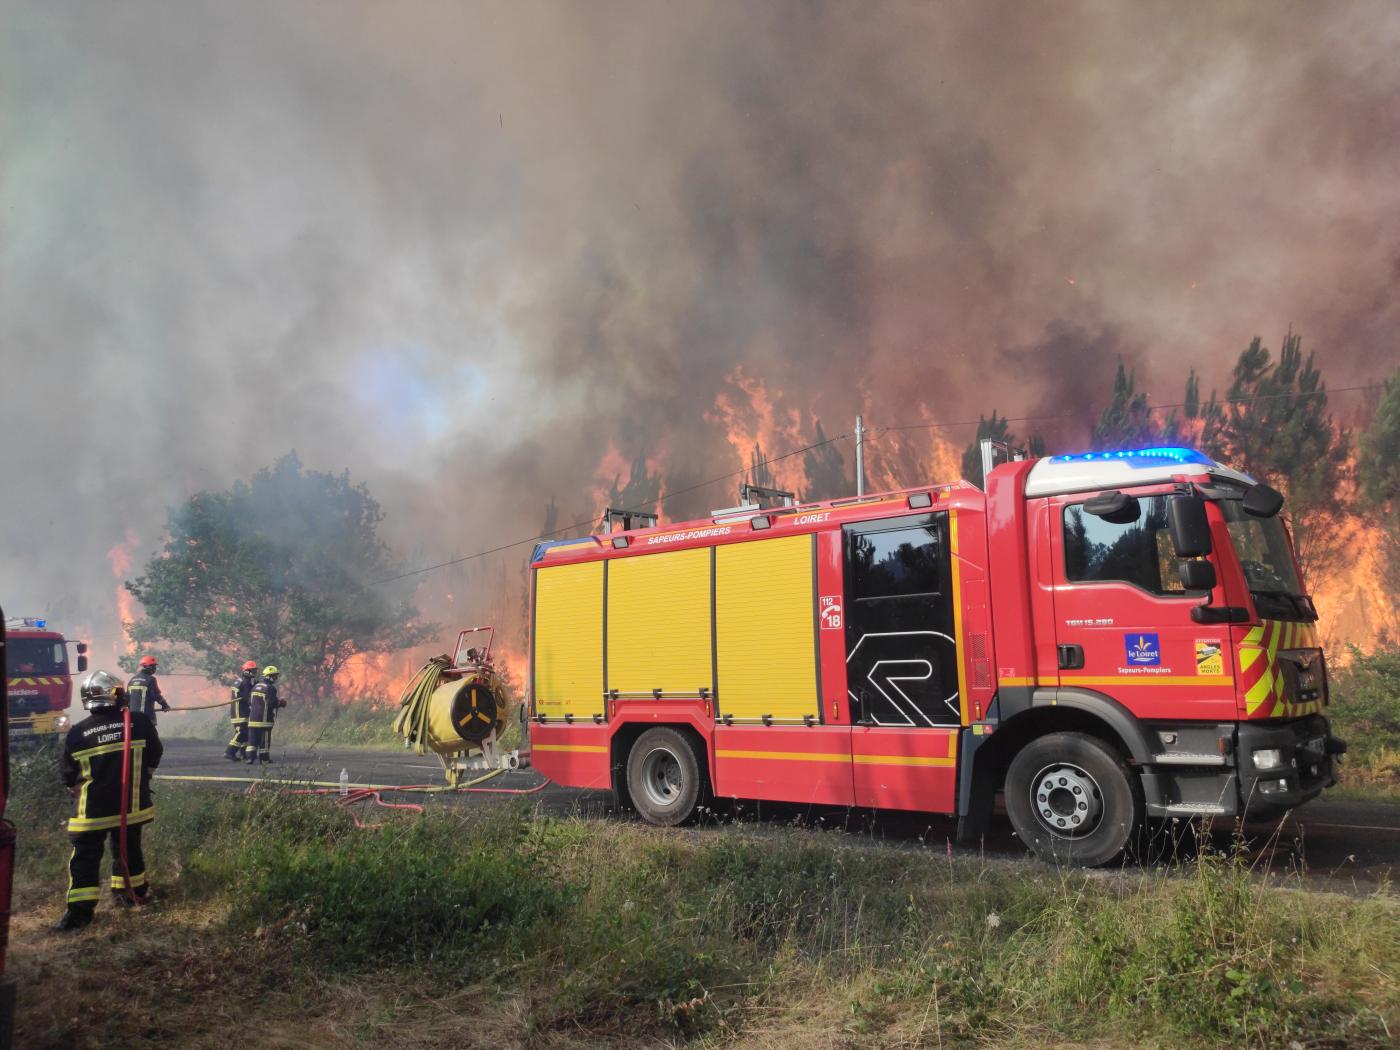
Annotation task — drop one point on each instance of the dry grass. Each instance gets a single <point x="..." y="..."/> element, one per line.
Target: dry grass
<point x="614" y="934"/>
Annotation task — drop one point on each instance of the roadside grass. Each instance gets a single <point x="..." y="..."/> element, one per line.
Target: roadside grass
<point x="280" y="921"/>
<point x="1365" y="711"/>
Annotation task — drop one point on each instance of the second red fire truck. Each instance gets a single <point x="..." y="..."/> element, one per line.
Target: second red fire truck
<point x="40" y="679"/>
<point x="1110" y="639"/>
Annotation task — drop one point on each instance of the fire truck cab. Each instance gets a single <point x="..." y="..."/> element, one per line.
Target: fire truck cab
<point x="39" y="677"/>
<point x="1109" y="639"/>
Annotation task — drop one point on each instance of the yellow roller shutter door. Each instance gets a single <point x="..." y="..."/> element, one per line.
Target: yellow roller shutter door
<point x="659" y="623"/>
<point x="765" y="629"/>
<point x="569" y="640"/>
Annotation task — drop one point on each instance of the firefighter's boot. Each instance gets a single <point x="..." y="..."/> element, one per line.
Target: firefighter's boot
<point x="73" y="919"/>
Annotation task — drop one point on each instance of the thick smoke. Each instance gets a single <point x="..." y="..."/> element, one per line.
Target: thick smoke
<point x="465" y="250"/>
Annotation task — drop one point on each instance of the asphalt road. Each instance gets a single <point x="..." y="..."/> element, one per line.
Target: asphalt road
<point x="1346" y="846"/>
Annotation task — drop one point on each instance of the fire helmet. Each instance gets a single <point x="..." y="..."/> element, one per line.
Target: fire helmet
<point x="270" y="671"/>
<point x="101" y="689"/>
<point x="148" y="661"/>
<point x="251" y="665"/>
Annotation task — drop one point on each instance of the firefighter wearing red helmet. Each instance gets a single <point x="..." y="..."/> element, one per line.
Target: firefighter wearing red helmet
<point x="99" y="758"/>
<point x="238" y="711"/>
<point x="143" y="691"/>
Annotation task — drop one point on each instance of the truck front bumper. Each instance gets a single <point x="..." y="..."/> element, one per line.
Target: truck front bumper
<point x="1283" y="766"/>
<point x="1253" y="770"/>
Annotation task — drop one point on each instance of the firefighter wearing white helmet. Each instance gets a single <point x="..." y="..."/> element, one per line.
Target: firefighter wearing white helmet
<point x="106" y="766"/>
<point x="263" y="703"/>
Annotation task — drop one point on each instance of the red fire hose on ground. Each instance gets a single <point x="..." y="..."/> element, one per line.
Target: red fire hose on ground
<point x="125" y="803"/>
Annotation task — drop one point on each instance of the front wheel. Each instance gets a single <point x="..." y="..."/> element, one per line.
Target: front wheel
<point x="664" y="776"/>
<point x="1073" y="800"/>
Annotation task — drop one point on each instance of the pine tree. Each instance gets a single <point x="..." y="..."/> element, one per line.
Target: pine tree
<point x="1273" y="424"/>
<point x="1378" y="476"/>
<point x="828" y="477"/>
<point x="995" y="429"/>
<point x="1129" y="420"/>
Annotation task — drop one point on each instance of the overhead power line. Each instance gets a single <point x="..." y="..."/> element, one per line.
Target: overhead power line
<point x="828" y="441"/>
<point x="592" y="521"/>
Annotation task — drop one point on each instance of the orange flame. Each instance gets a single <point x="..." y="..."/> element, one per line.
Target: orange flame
<point x="751" y="420"/>
<point x="120" y="557"/>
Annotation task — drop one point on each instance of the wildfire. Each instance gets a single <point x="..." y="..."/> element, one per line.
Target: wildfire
<point x="376" y="675"/>
<point x="382" y="676"/>
<point x="901" y="459"/>
<point x="1353" y="601"/>
<point x="753" y="422"/>
<point x="120" y="557"/>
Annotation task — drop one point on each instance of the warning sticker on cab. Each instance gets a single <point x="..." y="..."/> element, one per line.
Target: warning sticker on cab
<point x="1208" y="657"/>
<point x="831" y="617"/>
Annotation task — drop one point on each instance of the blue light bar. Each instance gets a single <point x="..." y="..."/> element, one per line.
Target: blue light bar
<point x="1143" y="456"/>
<point x="41" y="624"/>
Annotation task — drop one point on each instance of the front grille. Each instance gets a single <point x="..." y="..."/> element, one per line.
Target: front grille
<point x="28" y="705"/>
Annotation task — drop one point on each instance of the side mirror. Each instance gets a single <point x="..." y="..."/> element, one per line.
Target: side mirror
<point x="1197" y="575"/>
<point x="1115" y="507"/>
<point x="1190" y="529"/>
<point x="1263" y="501"/>
<point x="82" y="663"/>
<point x="81" y="648"/>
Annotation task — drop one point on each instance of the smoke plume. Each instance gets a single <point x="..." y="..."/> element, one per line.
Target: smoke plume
<point x="470" y="251"/>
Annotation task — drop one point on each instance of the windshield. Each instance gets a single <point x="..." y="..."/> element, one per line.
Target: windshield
<point x="1262" y="546"/>
<point x="35" y="656"/>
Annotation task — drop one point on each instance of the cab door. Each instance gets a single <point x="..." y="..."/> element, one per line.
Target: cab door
<point x="1123" y="619"/>
<point x="902" y="663"/>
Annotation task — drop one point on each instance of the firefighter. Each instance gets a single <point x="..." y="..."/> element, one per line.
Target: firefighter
<point x="143" y="691"/>
<point x="94" y="766"/>
<point x="263" y="703"/>
<point x="238" y="711"/>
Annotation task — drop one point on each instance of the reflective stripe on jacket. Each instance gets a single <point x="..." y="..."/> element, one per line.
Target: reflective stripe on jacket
<point x="92" y="762"/>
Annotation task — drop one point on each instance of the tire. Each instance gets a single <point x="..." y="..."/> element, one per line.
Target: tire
<point x="665" y="776"/>
<point x="1073" y="800"/>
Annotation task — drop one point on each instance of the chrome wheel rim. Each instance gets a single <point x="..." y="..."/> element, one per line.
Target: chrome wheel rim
<point x="661" y="777"/>
<point x="1066" y="800"/>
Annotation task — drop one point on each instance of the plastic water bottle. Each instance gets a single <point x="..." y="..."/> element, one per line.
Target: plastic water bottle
<point x="344" y="782"/>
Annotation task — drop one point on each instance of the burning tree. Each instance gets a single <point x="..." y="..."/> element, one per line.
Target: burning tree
<point x="280" y="570"/>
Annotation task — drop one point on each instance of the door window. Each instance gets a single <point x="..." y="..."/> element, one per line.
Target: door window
<point x="1139" y="553"/>
<point x="901" y="665"/>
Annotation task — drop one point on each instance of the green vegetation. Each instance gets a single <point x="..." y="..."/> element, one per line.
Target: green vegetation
<point x="496" y="925"/>
<point x="286" y="569"/>
<point x="1366" y="713"/>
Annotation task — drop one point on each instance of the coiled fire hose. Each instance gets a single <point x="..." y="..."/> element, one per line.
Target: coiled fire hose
<point x="412" y="720"/>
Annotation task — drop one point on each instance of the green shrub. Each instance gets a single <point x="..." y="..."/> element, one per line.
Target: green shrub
<point x="1365" y="707"/>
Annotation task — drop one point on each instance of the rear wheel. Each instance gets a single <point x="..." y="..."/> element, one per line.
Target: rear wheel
<point x="665" y="776"/>
<point x="1073" y="800"/>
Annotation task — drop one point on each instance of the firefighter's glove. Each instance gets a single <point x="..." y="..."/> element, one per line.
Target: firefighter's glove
<point x="164" y="706"/>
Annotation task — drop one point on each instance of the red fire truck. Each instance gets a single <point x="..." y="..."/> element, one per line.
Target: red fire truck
<point x="7" y="855"/>
<point x="1111" y="639"/>
<point x="39" y="680"/>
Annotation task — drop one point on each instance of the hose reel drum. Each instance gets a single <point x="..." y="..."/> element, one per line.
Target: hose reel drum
<point x="457" y="705"/>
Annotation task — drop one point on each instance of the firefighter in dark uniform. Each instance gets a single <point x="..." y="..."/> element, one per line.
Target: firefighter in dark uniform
<point x="263" y="703"/>
<point x="143" y="691"/>
<point x="93" y="767"/>
<point x="238" y="711"/>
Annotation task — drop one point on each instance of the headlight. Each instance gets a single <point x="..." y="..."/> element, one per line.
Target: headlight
<point x="62" y="722"/>
<point x="1268" y="758"/>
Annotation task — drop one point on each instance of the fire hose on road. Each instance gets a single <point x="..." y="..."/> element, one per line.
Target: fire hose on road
<point x="362" y="792"/>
